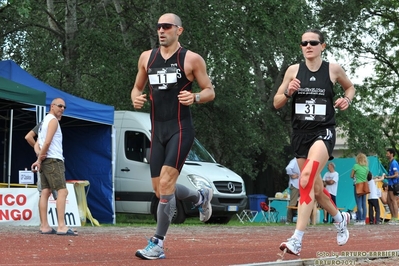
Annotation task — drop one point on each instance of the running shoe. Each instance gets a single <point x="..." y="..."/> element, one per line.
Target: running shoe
<point x="292" y="245"/>
<point x="205" y="209"/>
<point x="342" y="229"/>
<point x="152" y="251"/>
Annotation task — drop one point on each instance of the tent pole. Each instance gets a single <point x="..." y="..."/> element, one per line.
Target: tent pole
<point x="5" y="147"/>
<point x="10" y="147"/>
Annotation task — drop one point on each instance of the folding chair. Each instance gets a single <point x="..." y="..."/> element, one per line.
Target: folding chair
<point x="247" y="215"/>
<point x="269" y="214"/>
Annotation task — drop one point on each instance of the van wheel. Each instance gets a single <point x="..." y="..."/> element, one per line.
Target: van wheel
<point x="179" y="216"/>
<point x="219" y="220"/>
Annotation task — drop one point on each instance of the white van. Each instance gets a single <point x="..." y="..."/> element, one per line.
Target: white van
<point x="133" y="188"/>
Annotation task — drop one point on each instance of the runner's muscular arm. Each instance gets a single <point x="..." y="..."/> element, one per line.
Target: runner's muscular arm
<point x="138" y="99"/>
<point x="290" y="76"/>
<point x="195" y="68"/>
<point x="338" y="74"/>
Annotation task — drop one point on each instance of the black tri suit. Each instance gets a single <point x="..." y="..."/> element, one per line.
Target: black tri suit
<point x="172" y="133"/>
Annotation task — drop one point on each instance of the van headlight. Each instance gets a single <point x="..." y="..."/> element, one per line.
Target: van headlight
<point x="198" y="181"/>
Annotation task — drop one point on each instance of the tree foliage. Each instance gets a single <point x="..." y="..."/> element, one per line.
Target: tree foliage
<point x="369" y="31"/>
<point x="90" y="49"/>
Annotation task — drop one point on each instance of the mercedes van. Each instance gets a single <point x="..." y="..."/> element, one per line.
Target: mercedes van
<point x="133" y="188"/>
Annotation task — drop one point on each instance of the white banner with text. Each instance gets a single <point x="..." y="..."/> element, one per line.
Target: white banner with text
<point x="19" y="206"/>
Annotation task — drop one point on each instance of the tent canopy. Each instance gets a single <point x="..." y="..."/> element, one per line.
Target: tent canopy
<point x="14" y="95"/>
<point x="78" y="108"/>
<point x="87" y="129"/>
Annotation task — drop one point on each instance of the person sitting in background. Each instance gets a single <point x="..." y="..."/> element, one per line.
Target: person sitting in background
<point x="384" y="197"/>
<point x="384" y="194"/>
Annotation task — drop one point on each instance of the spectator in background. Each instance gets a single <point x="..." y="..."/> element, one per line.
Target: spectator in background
<point x="293" y="172"/>
<point x="360" y="170"/>
<point x="31" y="137"/>
<point x="330" y="180"/>
<point x="392" y="178"/>
<point x="50" y="164"/>
<point x="384" y="194"/>
<point x="384" y="197"/>
<point x="374" y="205"/>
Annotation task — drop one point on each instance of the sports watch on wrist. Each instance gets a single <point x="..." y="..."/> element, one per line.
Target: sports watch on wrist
<point x="286" y="94"/>
<point x="197" y="97"/>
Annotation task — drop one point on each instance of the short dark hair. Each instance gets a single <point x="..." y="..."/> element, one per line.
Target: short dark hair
<point x="318" y="32"/>
<point x="391" y="151"/>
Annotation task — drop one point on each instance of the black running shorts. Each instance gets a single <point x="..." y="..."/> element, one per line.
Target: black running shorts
<point x="301" y="141"/>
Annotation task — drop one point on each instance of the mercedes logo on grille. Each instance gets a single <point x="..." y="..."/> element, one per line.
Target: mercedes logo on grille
<point x="231" y="187"/>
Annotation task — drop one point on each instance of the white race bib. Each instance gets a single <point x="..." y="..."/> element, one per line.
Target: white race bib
<point x="162" y="78"/>
<point x="311" y="109"/>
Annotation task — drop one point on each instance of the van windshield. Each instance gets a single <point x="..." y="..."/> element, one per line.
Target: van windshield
<point x="199" y="154"/>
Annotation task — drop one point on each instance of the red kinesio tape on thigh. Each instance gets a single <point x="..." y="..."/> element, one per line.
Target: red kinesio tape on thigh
<point x="304" y="192"/>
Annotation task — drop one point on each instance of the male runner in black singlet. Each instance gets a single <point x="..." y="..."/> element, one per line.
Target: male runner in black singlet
<point x="170" y="71"/>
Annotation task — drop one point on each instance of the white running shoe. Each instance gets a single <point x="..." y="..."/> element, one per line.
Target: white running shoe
<point x="292" y="245"/>
<point x="152" y="251"/>
<point x="342" y="229"/>
<point x="205" y="209"/>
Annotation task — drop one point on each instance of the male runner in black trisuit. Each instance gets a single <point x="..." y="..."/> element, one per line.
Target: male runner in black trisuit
<point x="170" y="71"/>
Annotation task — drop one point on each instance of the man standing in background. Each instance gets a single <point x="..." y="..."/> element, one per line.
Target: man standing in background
<point x="31" y="137"/>
<point x="293" y="172"/>
<point x="330" y="180"/>
<point x="50" y="164"/>
<point x="392" y="178"/>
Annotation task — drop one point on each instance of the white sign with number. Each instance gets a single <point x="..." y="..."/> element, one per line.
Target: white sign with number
<point x="72" y="218"/>
<point x="26" y="177"/>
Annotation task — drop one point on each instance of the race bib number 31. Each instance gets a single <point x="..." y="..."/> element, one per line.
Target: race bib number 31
<point x="313" y="109"/>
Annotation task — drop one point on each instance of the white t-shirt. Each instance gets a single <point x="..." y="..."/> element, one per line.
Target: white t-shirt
<point x="332" y="189"/>
<point x="373" y="190"/>
<point x="293" y="168"/>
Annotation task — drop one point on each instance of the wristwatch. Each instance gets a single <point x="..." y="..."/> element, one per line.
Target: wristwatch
<point x="286" y="94"/>
<point x="197" y="97"/>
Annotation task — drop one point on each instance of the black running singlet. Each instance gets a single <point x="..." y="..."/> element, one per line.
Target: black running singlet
<point x="313" y="103"/>
<point x="166" y="79"/>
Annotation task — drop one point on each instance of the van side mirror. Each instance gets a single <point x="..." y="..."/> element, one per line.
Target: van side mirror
<point x="147" y="155"/>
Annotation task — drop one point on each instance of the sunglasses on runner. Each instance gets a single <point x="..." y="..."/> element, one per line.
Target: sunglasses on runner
<point x="166" y="26"/>
<point x="312" y="43"/>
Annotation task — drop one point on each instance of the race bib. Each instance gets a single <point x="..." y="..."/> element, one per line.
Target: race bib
<point x="311" y="109"/>
<point x="163" y="78"/>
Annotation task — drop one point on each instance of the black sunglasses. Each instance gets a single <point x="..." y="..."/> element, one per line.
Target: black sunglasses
<point x="60" y="106"/>
<point x="166" y="26"/>
<point x="312" y="43"/>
